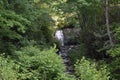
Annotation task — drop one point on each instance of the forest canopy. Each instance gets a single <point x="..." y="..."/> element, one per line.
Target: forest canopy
<point x="29" y="50"/>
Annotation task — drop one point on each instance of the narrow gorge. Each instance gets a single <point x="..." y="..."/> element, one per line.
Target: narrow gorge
<point x="67" y="39"/>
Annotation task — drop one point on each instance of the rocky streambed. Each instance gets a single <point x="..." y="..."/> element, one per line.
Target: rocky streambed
<point x="68" y="38"/>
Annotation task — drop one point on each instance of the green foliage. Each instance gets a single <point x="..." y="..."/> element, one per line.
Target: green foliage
<point x="114" y="67"/>
<point x="115" y="53"/>
<point x="12" y="26"/>
<point x="41" y="65"/>
<point x="65" y="76"/>
<point x="1" y="4"/>
<point x="24" y="18"/>
<point x="117" y="31"/>
<point x="30" y="23"/>
<point x="58" y="43"/>
<point x="83" y="13"/>
<point x="11" y="21"/>
<point x="87" y="70"/>
<point x="77" y="53"/>
<point x="40" y="29"/>
<point x="8" y="69"/>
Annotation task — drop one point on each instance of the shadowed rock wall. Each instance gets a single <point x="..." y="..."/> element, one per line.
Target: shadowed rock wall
<point x="71" y="35"/>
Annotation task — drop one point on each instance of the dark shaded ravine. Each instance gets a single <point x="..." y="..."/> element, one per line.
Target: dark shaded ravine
<point x="67" y="38"/>
<point x="64" y="54"/>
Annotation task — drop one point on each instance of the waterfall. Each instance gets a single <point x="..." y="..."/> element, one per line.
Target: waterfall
<point x="63" y="49"/>
<point x="68" y="39"/>
<point x="60" y="36"/>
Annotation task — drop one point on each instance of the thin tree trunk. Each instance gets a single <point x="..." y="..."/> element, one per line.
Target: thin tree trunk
<point x="107" y="23"/>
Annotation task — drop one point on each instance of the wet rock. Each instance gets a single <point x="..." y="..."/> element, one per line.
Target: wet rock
<point x="64" y="54"/>
<point x="71" y="35"/>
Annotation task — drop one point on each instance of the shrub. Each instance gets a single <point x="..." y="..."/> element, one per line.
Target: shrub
<point x="86" y="70"/>
<point x="114" y="63"/>
<point x="12" y="28"/>
<point x="65" y="76"/>
<point x="40" y="65"/>
<point x="8" y="69"/>
<point x="114" y="67"/>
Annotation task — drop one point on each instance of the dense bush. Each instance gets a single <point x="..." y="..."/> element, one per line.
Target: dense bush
<point x="41" y="65"/>
<point x="12" y="27"/>
<point x="114" y="63"/>
<point x="114" y="67"/>
<point x="24" y="19"/>
<point x="86" y="70"/>
<point x="8" y="69"/>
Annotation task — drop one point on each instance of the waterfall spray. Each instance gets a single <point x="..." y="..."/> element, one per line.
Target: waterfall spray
<point x="60" y="36"/>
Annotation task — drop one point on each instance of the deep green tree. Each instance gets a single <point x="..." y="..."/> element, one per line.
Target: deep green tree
<point x="12" y="27"/>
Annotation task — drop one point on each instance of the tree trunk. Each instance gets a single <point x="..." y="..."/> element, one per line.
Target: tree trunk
<point x="107" y="23"/>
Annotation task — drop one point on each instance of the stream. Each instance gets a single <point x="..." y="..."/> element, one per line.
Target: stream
<point x="63" y="51"/>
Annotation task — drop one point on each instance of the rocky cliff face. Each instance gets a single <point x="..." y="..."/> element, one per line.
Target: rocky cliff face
<point x="71" y="36"/>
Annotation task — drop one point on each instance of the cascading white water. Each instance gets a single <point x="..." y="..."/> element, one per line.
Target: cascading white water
<point x="63" y="51"/>
<point x="60" y="36"/>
